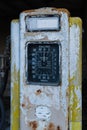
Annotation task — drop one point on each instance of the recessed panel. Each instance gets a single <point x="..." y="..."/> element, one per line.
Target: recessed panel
<point x="42" y="23"/>
<point x="43" y="63"/>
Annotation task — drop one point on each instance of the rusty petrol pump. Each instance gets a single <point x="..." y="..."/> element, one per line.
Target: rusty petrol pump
<point x="46" y="70"/>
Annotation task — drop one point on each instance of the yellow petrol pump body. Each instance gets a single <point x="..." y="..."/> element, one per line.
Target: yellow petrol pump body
<point x="46" y="70"/>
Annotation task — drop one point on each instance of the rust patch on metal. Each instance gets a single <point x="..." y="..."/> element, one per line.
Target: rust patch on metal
<point x="61" y="10"/>
<point x="51" y="126"/>
<point x="33" y="125"/>
<point x="53" y="9"/>
<point x="58" y="128"/>
<point x="38" y="92"/>
<point x="23" y="105"/>
<point x="64" y="10"/>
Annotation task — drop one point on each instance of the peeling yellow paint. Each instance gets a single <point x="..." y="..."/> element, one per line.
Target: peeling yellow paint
<point x="75" y="126"/>
<point x="75" y="108"/>
<point x="75" y="20"/>
<point x="15" y="111"/>
<point x="15" y="20"/>
<point x="78" y="22"/>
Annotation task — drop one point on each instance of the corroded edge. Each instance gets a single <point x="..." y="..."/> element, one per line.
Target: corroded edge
<point x="46" y="9"/>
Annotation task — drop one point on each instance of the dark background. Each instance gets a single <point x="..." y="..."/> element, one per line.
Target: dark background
<point x="78" y="8"/>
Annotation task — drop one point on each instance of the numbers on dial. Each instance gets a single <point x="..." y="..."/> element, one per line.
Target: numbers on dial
<point x="43" y="62"/>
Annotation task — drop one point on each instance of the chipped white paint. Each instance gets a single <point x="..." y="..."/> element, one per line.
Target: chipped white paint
<point x="15" y="75"/>
<point x="14" y="50"/>
<point x="46" y="106"/>
<point x="75" y="70"/>
<point x="43" y="113"/>
<point x="53" y="97"/>
<point x="15" y="44"/>
<point x="74" y="48"/>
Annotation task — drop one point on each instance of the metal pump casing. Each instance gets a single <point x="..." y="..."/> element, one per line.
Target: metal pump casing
<point x="39" y="102"/>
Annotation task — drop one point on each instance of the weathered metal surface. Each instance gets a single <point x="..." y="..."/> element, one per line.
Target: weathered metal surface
<point x="15" y="104"/>
<point x="53" y="100"/>
<point x="75" y="107"/>
<point x="44" y="107"/>
<point x="76" y="125"/>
